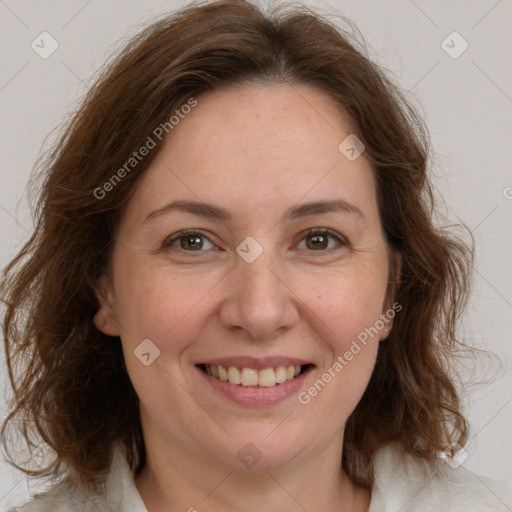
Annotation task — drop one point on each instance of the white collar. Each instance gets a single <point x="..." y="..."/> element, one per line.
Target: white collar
<point x="402" y="483"/>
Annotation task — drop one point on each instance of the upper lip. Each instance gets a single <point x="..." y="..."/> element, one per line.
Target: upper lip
<point x="258" y="363"/>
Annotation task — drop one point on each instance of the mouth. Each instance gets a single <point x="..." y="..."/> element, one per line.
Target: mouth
<point x="268" y="377"/>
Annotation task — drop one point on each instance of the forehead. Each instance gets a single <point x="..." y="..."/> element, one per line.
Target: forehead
<point x="260" y="147"/>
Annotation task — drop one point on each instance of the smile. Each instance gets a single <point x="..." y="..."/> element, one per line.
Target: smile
<point x="255" y="381"/>
<point x="251" y="377"/>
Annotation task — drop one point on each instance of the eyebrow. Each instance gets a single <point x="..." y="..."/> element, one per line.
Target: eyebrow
<point x="210" y="211"/>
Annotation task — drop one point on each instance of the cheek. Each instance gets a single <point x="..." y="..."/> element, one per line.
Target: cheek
<point x="348" y="302"/>
<point x="157" y="303"/>
<point x="352" y="337"/>
<point x="168" y="309"/>
<point x="347" y="309"/>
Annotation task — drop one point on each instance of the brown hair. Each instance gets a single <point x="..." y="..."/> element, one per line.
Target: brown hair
<point x="60" y="365"/>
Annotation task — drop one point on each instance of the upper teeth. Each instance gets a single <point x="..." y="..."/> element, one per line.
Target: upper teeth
<point x="267" y="377"/>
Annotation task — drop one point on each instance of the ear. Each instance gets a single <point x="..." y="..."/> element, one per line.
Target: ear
<point x="390" y="307"/>
<point x="104" y="319"/>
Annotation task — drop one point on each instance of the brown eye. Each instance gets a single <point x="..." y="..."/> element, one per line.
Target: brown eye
<point x="188" y="241"/>
<point x="320" y="240"/>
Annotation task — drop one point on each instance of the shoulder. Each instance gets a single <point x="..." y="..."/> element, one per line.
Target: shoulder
<point x="62" y="497"/>
<point x="405" y="482"/>
<point x="118" y="494"/>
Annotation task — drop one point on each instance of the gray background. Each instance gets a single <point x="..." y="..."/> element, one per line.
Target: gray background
<point x="466" y="102"/>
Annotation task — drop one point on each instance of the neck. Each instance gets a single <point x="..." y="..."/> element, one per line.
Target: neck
<point x="178" y="479"/>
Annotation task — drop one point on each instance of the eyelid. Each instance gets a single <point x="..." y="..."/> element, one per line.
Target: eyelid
<point x="180" y="234"/>
<point x="325" y="231"/>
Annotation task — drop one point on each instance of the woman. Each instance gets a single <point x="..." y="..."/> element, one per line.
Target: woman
<point x="235" y="295"/>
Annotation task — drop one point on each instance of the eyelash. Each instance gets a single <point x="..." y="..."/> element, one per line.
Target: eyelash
<point x="313" y="231"/>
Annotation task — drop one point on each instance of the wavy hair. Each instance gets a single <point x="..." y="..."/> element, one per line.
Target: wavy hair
<point x="60" y="365"/>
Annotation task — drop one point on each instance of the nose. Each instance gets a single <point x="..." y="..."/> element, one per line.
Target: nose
<point x="260" y="302"/>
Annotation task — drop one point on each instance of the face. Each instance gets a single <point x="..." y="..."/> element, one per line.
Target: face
<point x="262" y="284"/>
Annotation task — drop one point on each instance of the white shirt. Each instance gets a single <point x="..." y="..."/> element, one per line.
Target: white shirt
<point x="403" y="483"/>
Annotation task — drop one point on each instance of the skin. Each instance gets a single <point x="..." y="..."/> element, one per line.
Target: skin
<point x="255" y="150"/>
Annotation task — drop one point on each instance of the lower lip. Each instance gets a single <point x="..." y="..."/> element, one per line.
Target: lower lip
<point x="255" y="395"/>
